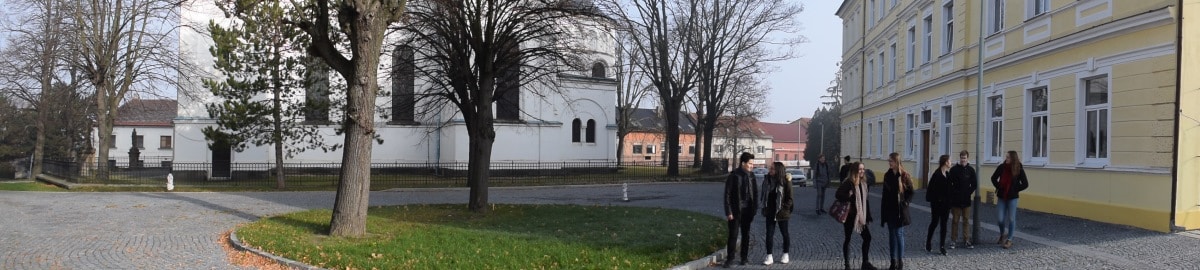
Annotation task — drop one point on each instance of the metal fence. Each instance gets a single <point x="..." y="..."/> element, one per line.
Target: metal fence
<point x="383" y="175"/>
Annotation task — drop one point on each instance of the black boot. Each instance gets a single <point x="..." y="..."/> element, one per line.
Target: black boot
<point x="868" y="266"/>
<point x="892" y="265"/>
<point x="900" y="264"/>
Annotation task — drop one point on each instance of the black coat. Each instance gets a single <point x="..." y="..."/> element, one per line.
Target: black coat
<point x="741" y="193"/>
<point x="844" y="172"/>
<point x="894" y="208"/>
<point x="939" y="190"/>
<point x="843" y="195"/>
<point x="963" y="184"/>
<point x="777" y="198"/>
<point x="1018" y="183"/>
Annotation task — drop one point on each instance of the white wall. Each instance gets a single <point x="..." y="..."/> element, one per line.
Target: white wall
<point x="151" y="152"/>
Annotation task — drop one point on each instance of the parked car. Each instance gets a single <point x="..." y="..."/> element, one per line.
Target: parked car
<point x="798" y="177"/>
<point x="759" y="173"/>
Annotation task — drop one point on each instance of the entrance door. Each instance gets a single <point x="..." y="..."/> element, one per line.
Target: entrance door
<point x="923" y="160"/>
<point x="220" y="159"/>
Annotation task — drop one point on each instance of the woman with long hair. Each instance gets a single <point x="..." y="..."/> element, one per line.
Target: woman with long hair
<point x="938" y="196"/>
<point x="777" y="208"/>
<point x="897" y="194"/>
<point x="854" y="192"/>
<point x="1009" y="180"/>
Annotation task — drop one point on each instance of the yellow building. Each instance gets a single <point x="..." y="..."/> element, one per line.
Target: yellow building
<point x="1088" y="92"/>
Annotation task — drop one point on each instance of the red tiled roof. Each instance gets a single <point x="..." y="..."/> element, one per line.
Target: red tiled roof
<point x="146" y="112"/>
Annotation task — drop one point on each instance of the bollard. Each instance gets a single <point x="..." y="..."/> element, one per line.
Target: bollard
<point x="625" y="192"/>
<point x="170" y="182"/>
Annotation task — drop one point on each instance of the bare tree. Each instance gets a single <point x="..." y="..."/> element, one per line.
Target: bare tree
<point x="833" y="94"/>
<point x="32" y="62"/>
<point x="476" y="53"/>
<point x="735" y="40"/>
<point x="631" y="89"/>
<point x="667" y="60"/>
<point x="123" y="47"/>
<point x="746" y="104"/>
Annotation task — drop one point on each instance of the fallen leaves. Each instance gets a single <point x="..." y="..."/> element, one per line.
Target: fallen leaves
<point x="246" y="258"/>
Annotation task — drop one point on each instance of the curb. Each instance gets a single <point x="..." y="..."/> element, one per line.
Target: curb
<point x="233" y="240"/>
<point x="55" y="181"/>
<point x="701" y="263"/>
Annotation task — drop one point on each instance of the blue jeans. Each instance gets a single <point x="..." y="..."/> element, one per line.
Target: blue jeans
<point x="895" y="241"/>
<point x="1007" y="217"/>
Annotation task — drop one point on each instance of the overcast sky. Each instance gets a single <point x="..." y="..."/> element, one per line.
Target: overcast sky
<point x="798" y="85"/>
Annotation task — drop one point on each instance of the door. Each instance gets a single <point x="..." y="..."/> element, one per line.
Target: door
<point x="923" y="160"/>
<point x="220" y="158"/>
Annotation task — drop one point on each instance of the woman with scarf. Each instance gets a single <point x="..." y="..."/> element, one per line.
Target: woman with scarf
<point x="854" y="192"/>
<point x="1009" y="180"/>
<point x="777" y="208"/>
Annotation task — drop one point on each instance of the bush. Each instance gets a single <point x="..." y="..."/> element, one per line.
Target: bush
<point x="7" y="171"/>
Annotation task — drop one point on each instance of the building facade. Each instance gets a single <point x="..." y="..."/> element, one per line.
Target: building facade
<point x="788" y="141"/>
<point x="646" y="142"/>
<point x="146" y="124"/>
<point x="577" y="123"/>
<point x="1088" y="92"/>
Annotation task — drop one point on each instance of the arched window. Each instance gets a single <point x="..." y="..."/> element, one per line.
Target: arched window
<point x="575" y="127"/>
<point x="591" y="131"/>
<point x="598" y="70"/>
<point x="403" y="85"/>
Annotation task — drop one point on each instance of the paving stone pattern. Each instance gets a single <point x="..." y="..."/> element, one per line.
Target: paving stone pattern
<point x="180" y="230"/>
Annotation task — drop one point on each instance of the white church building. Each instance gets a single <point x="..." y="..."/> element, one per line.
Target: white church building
<point x="578" y="126"/>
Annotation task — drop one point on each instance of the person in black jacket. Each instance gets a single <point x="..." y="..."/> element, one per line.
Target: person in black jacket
<point x="963" y="183"/>
<point x="938" y="196"/>
<point x="777" y="208"/>
<point x="822" y="172"/>
<point x="1009" y="180"/>
<point x="846" y="169"/>
<point x="741" y="201"/>
<point x="897" y="194"/>
<point x="854" y="192"/>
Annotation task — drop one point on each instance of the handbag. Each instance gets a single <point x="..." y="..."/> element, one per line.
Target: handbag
<point x="839" y="210"/>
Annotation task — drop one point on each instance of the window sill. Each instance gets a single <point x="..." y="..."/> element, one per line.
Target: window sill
<point x="993" y="160"/>
<point x="1091" y="165"/>
<point x="1036" y="163"/>
<point x="164" y="148"/>
<point x="403" y="123"/>
<point x="1036" y="16"/>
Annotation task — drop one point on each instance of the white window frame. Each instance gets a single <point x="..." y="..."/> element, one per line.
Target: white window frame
<point x="636" y="149"/>
<point x="879" y="153"/>
<point x="994" y="146"/>
<point x="891" y="135"/>
<point x="1033" y="8"/>
<point x="870" y="75"/>
<point x="1030" y="139"/>
<point x="868" y="139"/>
<point x="893" y="73"/>
<point x="912" y="47"/>
<point x="947" y="27"/>
<point x="912" y="138"/>
<point x="1102" y="158"/>
<point x="871" y="14"/>
<point x="995" y="16"/>
<point x="650" y="149"/>
<point x="927" y="45"/>
<point x="945" y="140"/>
<point x="882" y="68"/>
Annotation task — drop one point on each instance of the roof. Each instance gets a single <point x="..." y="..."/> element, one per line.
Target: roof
<point x="146" y="112"/>
<point x="652" y="121"/>
<point x="750" y="128"/>
<point x="789" y="132"/>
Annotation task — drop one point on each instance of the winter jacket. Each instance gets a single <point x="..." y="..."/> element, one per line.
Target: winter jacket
<point x="963" y="184"/>
<point x="777" y="198"/>
<point x="821" y="174"/>
<point x="843" y="195"/>
<point x="894" y="207"/>
<point x="845" y="171"/>
<point x="1018" y="183"/>
<point x="938" y="192"/>
<point x="741" y="193"/>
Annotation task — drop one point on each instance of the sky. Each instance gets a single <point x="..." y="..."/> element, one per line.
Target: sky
<point x="797" y="86"/>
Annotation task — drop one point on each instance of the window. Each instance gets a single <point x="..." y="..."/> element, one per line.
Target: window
<point x="995" y="16"/>
<point x="692" y="149"/>
<point x="879" y="148"/>
<point x="928" y="45"/>
<point x="912" y="135"/>
<point x="891" y="135"/>
<point x="926" y="117"/>
<point x="947" y="27"/>
<point x="649" y="149"/>
<point x="720" y="149"/>
<point x="591" y="131"/>
<point x="679" y="149"/>
<point x="139" y="142"/>
<point x="1095" y="110"/>
<point x="112" y="141"/>
<point x="995" y="127"/>
<point x="893" y="63"/>
<point x="881" y="69"/>
<point x="164" y="142"/>
<point x="870" y="75"/>
<point x="944" y="135"/>
<point x="870" y="129"/>
<point x="508" y="91"/>
<point x="1036" y="7"/>
<point x="777" y="157"/>
<point x="316" y="94"/>
<point x="912" y="48"/>
<point x="403" y="84"/>
<point x="871" y="9"/>
<point x="576" y="127"/>
<point x="1037" y="125"/>
<point x="761" y="149"/>
<point x="598" y="70"/>
<point x="637" y="148"/>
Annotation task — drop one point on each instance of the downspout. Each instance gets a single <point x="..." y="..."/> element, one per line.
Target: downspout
<point x="1178" y="113"/>
<point x="862" y="71"/>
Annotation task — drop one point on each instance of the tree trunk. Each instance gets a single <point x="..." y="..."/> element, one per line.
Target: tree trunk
<point x="620" y="147"/>
<point x="479" y="163"/>
<point x="277" y="120"/>
<point x="39" y="146"/>
<point x="350" y="206"/>
<point x="698" y="133"/>
<point x="709" y="165"/>
<point x="672" y="116"/>
<point x="104" y="133"/>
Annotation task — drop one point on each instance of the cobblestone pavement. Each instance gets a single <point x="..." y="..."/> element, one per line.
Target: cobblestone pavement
<point x="67" y="230"/>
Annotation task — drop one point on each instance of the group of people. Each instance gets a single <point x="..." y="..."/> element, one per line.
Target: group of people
<point x="948" y="192"/>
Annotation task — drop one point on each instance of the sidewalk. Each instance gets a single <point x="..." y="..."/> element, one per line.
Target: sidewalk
<point x="1043" y="241"/>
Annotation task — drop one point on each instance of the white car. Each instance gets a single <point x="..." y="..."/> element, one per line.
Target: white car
<point x="798" y="177"/>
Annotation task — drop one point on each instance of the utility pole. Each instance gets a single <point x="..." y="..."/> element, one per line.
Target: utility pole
<point x="822" y="138"/>
<point x="978" y="127"/>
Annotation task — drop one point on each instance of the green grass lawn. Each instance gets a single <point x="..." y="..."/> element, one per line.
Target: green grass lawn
<point x="511" y="237"/>
<point x="29" y="186"/>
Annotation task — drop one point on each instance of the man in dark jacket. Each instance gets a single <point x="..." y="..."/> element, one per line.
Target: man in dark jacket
<point x="962" y="185"/>
<point x="741" y="203"/>
<point x="821" y="175"/>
